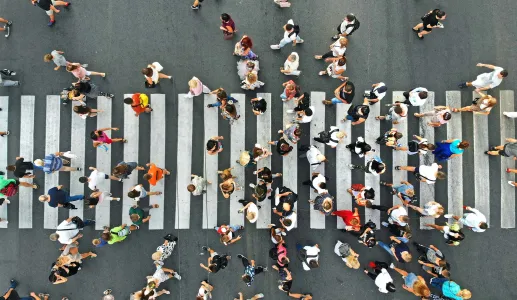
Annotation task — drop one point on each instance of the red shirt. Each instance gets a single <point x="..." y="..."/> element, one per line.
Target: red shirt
<point x="137" y="105"/>
<point x="347" y="216"/>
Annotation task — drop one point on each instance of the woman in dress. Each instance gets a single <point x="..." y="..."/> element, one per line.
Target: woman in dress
<point x="152" y="74"/>
<point x="480" y="106"/>
<point x="336" y="68"/>
<point x="81" y="73"/>
<point x="196" y="88"/>
<point x="290" y="91"/>
<point x="251" y="82"/>
<point x="243" y="49"/>
<point x="448" y="149"/>
<point x="164" y="250"/>
<point x="230" y="113"/>
<point x="98" y="197"/>
<point x="85" y="111"/>
<point x="244" y="67"/>
<point x="227" y="26"/>
<point x="100" y="137"/>
<point x="291" y="65"/>
<point x="292" y="132"/>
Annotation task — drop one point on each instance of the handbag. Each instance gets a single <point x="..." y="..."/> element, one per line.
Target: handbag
<point x="228" y="36"/>
<point x="150" y="86"/>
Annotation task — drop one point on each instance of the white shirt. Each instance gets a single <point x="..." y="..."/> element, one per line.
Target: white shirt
<point x="473" y="219"/>
<point x="292" y="33"/>
<point x="253" y="208"/>
<point x="278" y="231"/>
<point x="395" y="214"/>
<point x="66" y="236"/>
<point x="488" y="79"/>
<point x="337" y="50"/>
<point x="308" y="119"/>
<point x="382" y="279"/>
<point x="291" y="217"/>
<point x="376" y="92"/>
<point x="415" y="99"/>
<point x="316" y="183"/>
<point x="312" y="154"/>
<point x="292" y="65"/>
<point x="334" y="137"/>
<point x="431" y="208"/>
<point x="429" y="172"/>
<point x="140" y="189"/>
<point x="358" y="150"/>
<point x="421" y="151"/>
<point x="95" y="176"/>
<point x="343" y="28"/>
<point x="397" y="117"/>
<point x="203" y="292"/>
<point x="311" y="250"/>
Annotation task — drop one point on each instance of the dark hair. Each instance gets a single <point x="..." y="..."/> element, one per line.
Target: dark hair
<point x="398" y="109"/>
<point x="221" y="94"/>
<point x="246" y="278"/>
<point x="257" y="152"/>
<point x="133" y="194"/>
<point x="504" y="73"/>
<point x="431" y="146"/>
<point x="83" y="179"/>
<point x="440" y="14"/>
<point x="348" y="86"/>
<point x="369" y="194"/>
<point x="367" y="148"/>
<point x="370" y="243"/>
<point x="106" y="236"/>
<point x="147" y="176"/>
<point x="10" y="168"/>
<point x="341" y="61"/>
<point x="91" y="201"/>
<point x="483" y="225"/>
<point x="93" y="134"/>
<point x="350" y="17"/>
<point x="284" y="260"/>
<point x="211" y="144"/>
<point x="289" y="27"/>
<point x="398" y="135"/>
<point x="463" y="145"/>
<point x="128" y="100"/>
<point x="297" y="132"/>
<point x="447" y="116"/>
<point x="308" y="112"/>
<point x="225" y="17"/>
<point x="79" y="109"/>
<point x="212" y="268"/>
<point x="380" y="168"/>
<point x="323" y="185"/>
<point x="230" y="108"/>
<point x="365" y="110"/>
<point x="147" y="72"/>
<point x="52" y="277"/>
<point x="422" y="95"/>
<point x="288" y="222"/>
<point x="390" y="287"/>
<point x="246" y="42"/>
<point x="313" y="264"/>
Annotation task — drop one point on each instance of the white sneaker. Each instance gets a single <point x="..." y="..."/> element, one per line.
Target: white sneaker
<point x="300" y="41"/>
<point x="275" y="47"/>
<point x="509" y="182"/>
<point x="177" y="276"/>
<point x="448" y="216"/>
<point x="392" y="266"/>
<point x="254" y="172"/>
<point x="290" y="111"/>
<point x="252" y="185"/>
<point x="9" y="202"/>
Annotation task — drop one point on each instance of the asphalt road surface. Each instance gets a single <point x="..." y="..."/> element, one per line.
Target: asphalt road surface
<point x="121" y="37"/>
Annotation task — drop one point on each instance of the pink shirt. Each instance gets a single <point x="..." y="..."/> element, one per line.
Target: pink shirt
<point x="79" y="73"/>
<point x="198" y="89"/>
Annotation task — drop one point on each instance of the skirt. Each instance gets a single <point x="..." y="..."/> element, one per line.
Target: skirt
<point x="442" y="151"/>
<point x="242" y="68"/>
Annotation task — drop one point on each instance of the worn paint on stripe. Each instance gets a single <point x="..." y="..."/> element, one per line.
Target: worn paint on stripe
<point x="263" y="137"/>
<point x="157" y="156"/>
<point x="4" y="103"/>
<point x="102" y="210"/>
<point x="372" y="132"/>
<point x="343" y="159"/>
<point x="26" y="195"/>
<point x="317" y="125"/>
<point x="211" y="164"/>
<point x="184" y="161"/>
<point x="51" y="146"/>
<point x="455" y="165"/>
<point x="131" y="131"/>
<point x="506" y="103"/>
<point x="400" y="158"/>
<point x="426" y="131"/>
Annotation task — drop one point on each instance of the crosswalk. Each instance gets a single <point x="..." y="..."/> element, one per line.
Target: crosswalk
<point x="186" y="205"/>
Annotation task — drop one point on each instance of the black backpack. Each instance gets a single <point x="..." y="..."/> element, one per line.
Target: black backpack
<point x="355" y="26"/>
<point x="220" y="261"/>
<point x="327" y="136"/>
<point x="296" y="29"/>
<point x="273" y="253"/>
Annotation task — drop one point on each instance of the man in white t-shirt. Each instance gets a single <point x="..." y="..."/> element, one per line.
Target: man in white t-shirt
<point x="427" y="174"/>
<point x="289" y="221"/>
<point x="377" y="93"/>
<point x="474" y="220"/>
<point x="486" y="81"/>
<point x="305" y="116"/>
<point x="314" y="156"/>
<point x="67" y="232"/>
<point x="416" y="97"/>
<point x="291" y="32"/>
<point x="309" y="255"/>
<point x="347" y="27"/>
<point x="318" y="182"/>
<point x="396" y="114"/>
<point x="95" y="177"/>
<point x="396" y="215"/>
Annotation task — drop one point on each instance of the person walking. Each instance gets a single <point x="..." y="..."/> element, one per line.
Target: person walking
<point x="260" y="190"/>
<point x="486" y="81"/>
<point x="57" y="57"/>
<point x="95" y="177"/>
<point x="196" y="88"/>
<point x="291" y="65"/>
<point x="416" y="97"/>
<point x="138" y="192"/>
<point x="81" y="73"/>
<point x="451" y="232"/>
<point x="324" y="203"/>
<point x="390" y="139"/>
<point x="243" y="49"/>
<point x="450" y="288"/>
<point x="361" y="194"/>
<point x="251" y="82"/>
<point x="309" y="256"/>
<point x="250" y="270"/>
<point x="155" y="174"/>
<point x="216" y="261"/>
<point x="358" y="113"/>
<point x="258" y="106"/>
<point x="337" y="49"/>
<point x="381" y="276"/>
<point x="164" y="250"/>
<point x="214" y="145"/>
<point x="227" y="26"/>
<point x="153" y="74"/>
<point x="139" y="103"/>
<point x="427" y="174"/>
<point x="7" y="26"/>
<point x="377" y="93"/>
<point x="432" y="260"/>
<point x="313" y="155"/>
<point x="291" y="35"/>
<point x="347" y="254"/>
<point x="480" y="106"/>
<point x="405" y="191"/>
<point x="448" y="149"/>
<point x="21" y="168"/>
<point x="205" y="291"/>
<point x="440" y="115"/>
<point x="97" y="197"/>
<point x="396" y="114"/>
<point x="351" y="219"/>
<point x="292" y="132"/>
<point x="318" y="182"/>
<point x="197" y="186"/>
<point x="360" y="147"/>
<point x="429" y="21"/>
<point x="282" y="146"/>
<point x="101" y="138"/>
<point x="431" y="208"/>
<point x="397" y="214"/>
<point x="418" y="146"/>
<point x="398" y="249"/>
<point x="57" y="197"/>
<point x="226" y="233"/>
<point x="508" y="150"/>
<point x="343" y="94"/>
<point x="413" y="283"/>
<point x="85" y="89"/>
<point x="12" y="294"/>
<point x="138" y="215"/>
<point x="116" y="234"/>
<point x="474" y="219"/>
<point x="67" y="232"/>
<point x="336" y="69"/>
<point x="374" y="166"/>
<point x="123" y="169"/>
<point x="291" y="91"/>
<point x="366" y="235"/>
<point x="84" y="111"/>
<point x="347" y="27"/>
<point x="49" y="6"/>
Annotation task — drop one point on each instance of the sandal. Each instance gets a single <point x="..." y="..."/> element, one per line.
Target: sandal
<point x="124" y="141"/>
<point x="455" y="110"/>
<point x="378" y="118"/>
<point x="416" y="30"/>
<point x="35" y="186"/>
<point x="397" y="168"/>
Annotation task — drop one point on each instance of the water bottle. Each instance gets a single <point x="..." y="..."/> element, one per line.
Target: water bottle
<point x="104" y="147"/>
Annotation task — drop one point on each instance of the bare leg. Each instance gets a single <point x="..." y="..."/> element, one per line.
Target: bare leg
<point x="118" y="140"/>
<point x="423" y="32"/>
<point x="68" y="169"/>
<point x="98" y="74"/>
<point x="418" y="209"/>
<point x="419" y="26"/>
<point x="407" y="168"/>
<point x="196" y="3"/>
<point x="89" y="254"/>
<point x="3" y="20"/>
<point x="33" y="295"/>
<point x="434" y="226"/>
<point x="400" y="271"/>
<point x="154" y="193"/>
<point x="60" y="3"/>
<point x="26" y="184"/>
<point x="164" y="76"/>
<point x="166" y="172"/>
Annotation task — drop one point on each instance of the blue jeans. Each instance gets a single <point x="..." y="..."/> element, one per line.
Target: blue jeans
<point x="89" y="222"/>
<point x="218" y="103"/>
<point x="438" y="282"/>
<point x="284" y="42"/>
<point x="73" y="198"/>
<point x="298" y="247"/>
<point x="336" y="101"/>
<point x="388" y="248"/>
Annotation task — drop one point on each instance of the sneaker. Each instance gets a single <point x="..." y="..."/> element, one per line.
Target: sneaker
<point x="392" y="266"/>
<point x="9" y="23"/>
<point x="385" y="224"/>
<point x="335" y="38"/>
<point x="351" y="166"/>
<point x="177" y="276"/>
<point x="79" y="169"/>
<point x="448" y="216"/>
<point x="110" y="96"/>
<point x="259" y="296"/>
<point x="252" y="185"/>
<point x="265" y="269"/>
<point x="209" y="105"/>
<point x="300" y="41"/>
<point x="240" y="256"/>
<point x="205" y="248"/>
<point x="51" y="23"/>
<point x="67" y="5"/>
<point x="290" y="111"/>
<point x="14" y="283"/>
<point x="275" y="47"/>
<point x="383" y="182"/>
<point x="509" y="182"/>
<point x="7" y="31"/>
<point x="196" y="7"/>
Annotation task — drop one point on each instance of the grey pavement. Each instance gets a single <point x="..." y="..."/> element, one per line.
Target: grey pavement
<point x="121" y="37"/>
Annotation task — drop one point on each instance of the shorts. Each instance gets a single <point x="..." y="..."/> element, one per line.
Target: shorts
<point x="51" y="12"/>
<point x="88" y="73"/>
<point x="213" y="254"/>
<point x="410" y="280"/>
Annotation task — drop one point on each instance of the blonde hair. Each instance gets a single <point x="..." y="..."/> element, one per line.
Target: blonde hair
<point x="343" y="42"/>
<point x="353" y="261"/>
<point x="407" y="257"/>
<point x="466" y="294"/>
<point x="250" y="215"/>
<point x="47" y="57"/>
<point x="42" y="198"/>
<point x="420" y="289"/>
<point x="340" y="134"/>
<point x="96" y="242"/>
<point x="192" y="83"/>
<point x="156" y="255"/>
<point x="252" y="77"/>
<point x="38" y="162"/>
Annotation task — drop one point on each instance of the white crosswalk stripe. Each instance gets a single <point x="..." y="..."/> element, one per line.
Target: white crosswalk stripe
<point x="235" y="144"/>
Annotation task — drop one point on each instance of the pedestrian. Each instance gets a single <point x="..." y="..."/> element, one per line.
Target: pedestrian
<point x="227" y="26"/>
<point x="390" y="139"/>
<point x="252" y="210"/>
<point x="80" y="72"/>
<point x="291" y="35"/>
<point x="230" y="112"/>
<point x="291" y="65"/>
<point x="149" y="292"/>
<point x="164" y="250"/>
<point x="123" y="169"/>
<point x="214" y="146"/>
<point x="245" y="67"/>
<point x="251" y="82"/>
<point x="226" y="174"/>
<point x="427" y="174"/>
<point x="250" y="270"/>
<point x="336" y="68"/>
<point x="440" y="115"/>
<point x="416" y="97"/>
<point x="226" y="232"/>
<point x="279" y="254"/>
<point x="286" y="279"/>
<point x="155" y="174"/>
<point x="360" y="147"/>
<point x="288" y="222"/>
<point x="405" y="191"/>
<point x="418" y="146"/>
<point x="57" y="197"/>
<point x="153" y="74"/>
<point x="396" y="215"/>
<point x="7" y="26"/>
<point x="85" y="111"/>
<point x="243" y="49"/>
<point x="377" y="93"/>
<point x="366" y="235"/>
<point x="222" y="98"/>
<point x="276" y="233"/>
<point x="95" y="177"/>
<point x="331" y="137"/>
<point x="215" y="262"/>
<point x="309" y="256"/>
<point x="138" y="192"/>
<point x="431" y="208"/>
<point x="374" y="166"/>
<point x="196" y="88"/>
<point x="398" y="249"/>
<point x="12" y="294"/>
<point x="197" y="4"/>
<point x="474" y="219"/>
<point x="57" y="57"/>
<point x="282" y="146"/>
<point x="98" y="197"/>
<point x="197" y="186"/>
<point x="67" y="232"/>
<point x="100" y="137"/>
<point x="429" y="21"/>
<point x="139" y="103"/>
<point x="138" y="215"/>
<point x="351" y="219"/>
<point x="229" y="186"/>
<point x="361" y="193"/>
<point x="8" y="82"/>
<point x="304" y="115"/>
<point x="450" y="288"/>
<point x="292" y="132"/>
<point x="260" y="152"/>
<point x="452" y="233"/>
<point x="337" y="49"/>
<point x="414" y="284"/>
<point x="508" y="150"/>
<point x="21" y="168"/>
<point x="291" y="91"/>
<point x="347" y="27"/>
<point x="313" y="155"/>
<point x="260" y="191"/>
<point x="381" y="276"/>
<point x="486" y="81"/>
<point x="85" y="89"/>
<point x="49" y="6"/>
<point x="347" y="254"/>
<point x="318" y="182"/>
<point x="358" y="113"/>
<point x="258" y="106"/>
<point x="432" y="260"/>
<point x="162" y="274"/>
<point x="397" y="113"/>
<point x="343" y="94"/>
<point x="284" y="202"/>
<point x="205" y="291"/>
<point x="480" y="106"/>
<point x="448" y="149"/>
<point x="60" y="274"/>
<point x="116" y="234"/>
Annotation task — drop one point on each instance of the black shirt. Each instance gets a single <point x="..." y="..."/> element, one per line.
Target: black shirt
<point x="84" y="87"/>
<point x="266" y="175"/>
<point x="281" y="142"/>
<point x="44" y="4"/>
<point x="22" y="167"/>
<point x="431" y="19"/>
<point x="220" y="262"/>
<point x="353" y="112"/>
<point x="14" y="296"/>
<point x="260" y="105"/>
<point x="348" y="97"/>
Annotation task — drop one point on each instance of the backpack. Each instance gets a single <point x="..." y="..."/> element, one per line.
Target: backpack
<point x="220" y="261"/>
<point x="296" y="29"/>
<point x="273" y="253"/>
<point x="10" y="190"/>
<point x="355" y="26"/>
<point x="327" y="136"/>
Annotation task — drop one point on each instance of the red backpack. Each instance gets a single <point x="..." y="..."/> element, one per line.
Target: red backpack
<point x="10" y="190"/>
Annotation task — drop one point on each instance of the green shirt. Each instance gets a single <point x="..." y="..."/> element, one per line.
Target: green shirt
<point x="139" y="212"/>
<point x="115" y="238"/>
<point x="5" y="182"/>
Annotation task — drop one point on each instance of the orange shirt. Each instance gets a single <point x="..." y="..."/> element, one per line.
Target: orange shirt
<point x="157" y="174"/>
<point x="137" y="105"/>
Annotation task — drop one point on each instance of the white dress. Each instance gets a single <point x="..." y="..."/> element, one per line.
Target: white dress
<point x="247" y="86"/>
<point x="157" y="68"/>
<point x="242" y="68"/>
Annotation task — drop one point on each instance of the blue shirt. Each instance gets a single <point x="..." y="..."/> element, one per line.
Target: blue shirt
<point x="51" y="163"/>
<point x="450" y="289"/>
<point x="454" y="147"/>
<point x="250" y="271"/>
<point x="56" y="197"/>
